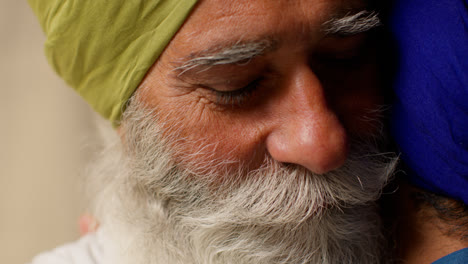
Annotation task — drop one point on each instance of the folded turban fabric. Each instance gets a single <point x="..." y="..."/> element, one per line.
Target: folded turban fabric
<point x="430" y="115"/>
<point x="104" y="48"/>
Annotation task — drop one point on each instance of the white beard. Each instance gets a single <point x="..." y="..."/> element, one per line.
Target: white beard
<point x="156" y="212"/>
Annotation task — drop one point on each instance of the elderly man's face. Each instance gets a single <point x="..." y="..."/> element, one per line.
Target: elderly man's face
<point x="235" y="145"/>
<point x="289" y="79"/>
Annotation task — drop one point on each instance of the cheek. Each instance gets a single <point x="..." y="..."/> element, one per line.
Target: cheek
<point x="205" y="138"/>
<point x="362" y="113"/>
<point x="199" y="134"/>
<point x="359" y="105"/>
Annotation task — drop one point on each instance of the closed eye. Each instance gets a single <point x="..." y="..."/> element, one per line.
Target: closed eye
<point x="236" y="97"/>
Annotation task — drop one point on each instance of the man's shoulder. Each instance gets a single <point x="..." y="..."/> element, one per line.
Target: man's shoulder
<point x="87" y="250"/>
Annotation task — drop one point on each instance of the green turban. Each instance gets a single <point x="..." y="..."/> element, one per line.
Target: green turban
<point x="104" y="48"/>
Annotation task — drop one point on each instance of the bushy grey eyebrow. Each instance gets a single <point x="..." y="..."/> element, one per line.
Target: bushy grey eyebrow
<point x="352" y="24"/>
<point x="240" y="52"/>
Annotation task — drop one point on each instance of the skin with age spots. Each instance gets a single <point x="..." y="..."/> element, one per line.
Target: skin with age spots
<point x="297" y="101"/>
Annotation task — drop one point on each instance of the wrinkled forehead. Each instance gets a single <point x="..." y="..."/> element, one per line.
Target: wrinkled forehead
<point x="220" y="20"/>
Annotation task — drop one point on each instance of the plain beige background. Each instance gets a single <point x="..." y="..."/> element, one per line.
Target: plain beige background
<point x="45" y="130"/>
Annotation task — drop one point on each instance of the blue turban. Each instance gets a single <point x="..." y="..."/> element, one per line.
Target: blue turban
<point x="430" y="115"/>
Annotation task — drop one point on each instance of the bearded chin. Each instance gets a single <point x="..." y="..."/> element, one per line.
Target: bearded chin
<point x="154" y="211"/>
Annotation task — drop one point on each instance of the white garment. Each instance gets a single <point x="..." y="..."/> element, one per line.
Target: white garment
<point x="88" y="250"/>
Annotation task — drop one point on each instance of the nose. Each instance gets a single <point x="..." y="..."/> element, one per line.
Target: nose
<point x="308" y="133"/>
